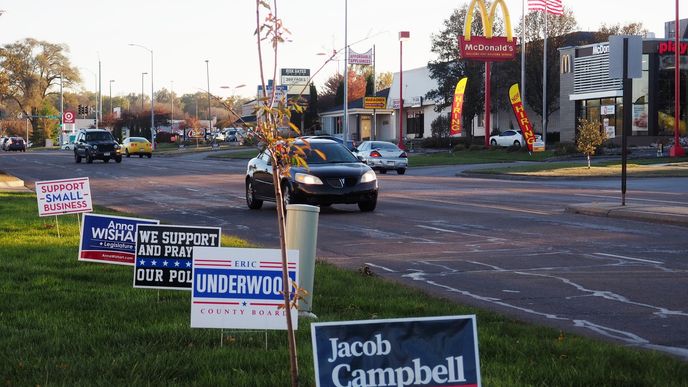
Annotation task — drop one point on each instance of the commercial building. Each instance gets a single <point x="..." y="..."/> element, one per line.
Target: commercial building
<point x="587" y="91"/>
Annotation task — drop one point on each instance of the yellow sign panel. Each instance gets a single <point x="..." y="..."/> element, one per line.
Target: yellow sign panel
<point x="487" y="18"/>
<point x="374" y="102"/>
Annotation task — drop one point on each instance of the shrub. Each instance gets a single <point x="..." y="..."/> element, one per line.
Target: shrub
<point x="440" y="126"/>
<point x="164" y="137"/>
<point x="565" y="148"/>
<point x="475" y="147"/>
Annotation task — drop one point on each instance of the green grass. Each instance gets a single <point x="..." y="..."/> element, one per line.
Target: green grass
<point x="71" y="323"/>
<point x="243" y="153"/>
<point x="474" y="157"/>
<point x="647" y="167"/>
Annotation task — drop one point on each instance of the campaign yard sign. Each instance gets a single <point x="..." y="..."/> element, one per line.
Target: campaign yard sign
<point x="109" y="239"/>
<point x="164" y="254"/>
<point x="426" y="351"/>
<point x="240" y="288"/>
<point x="67" y="196"/>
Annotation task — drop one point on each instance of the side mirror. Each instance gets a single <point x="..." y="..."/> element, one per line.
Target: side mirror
<point x="360" y="158"/>
<point x="354" y="150"/>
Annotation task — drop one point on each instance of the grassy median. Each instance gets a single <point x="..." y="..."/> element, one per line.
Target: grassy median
<point x="65" y="322"/>
<point x="649" y="167"/>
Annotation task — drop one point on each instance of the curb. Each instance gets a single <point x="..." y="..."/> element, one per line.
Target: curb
<point x="14" y="183"/>
<point x="655" y="214"/>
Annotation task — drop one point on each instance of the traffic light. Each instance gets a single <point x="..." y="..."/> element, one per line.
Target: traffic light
<point x="83" y="109"/>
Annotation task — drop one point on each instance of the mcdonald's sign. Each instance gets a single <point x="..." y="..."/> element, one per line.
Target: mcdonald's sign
<point x="487" y="48"/>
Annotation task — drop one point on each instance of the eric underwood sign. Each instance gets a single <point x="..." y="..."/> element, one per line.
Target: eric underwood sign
<point x="431" y="351"/>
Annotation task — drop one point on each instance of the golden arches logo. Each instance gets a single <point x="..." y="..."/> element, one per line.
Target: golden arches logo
<point x="487" y="18"/>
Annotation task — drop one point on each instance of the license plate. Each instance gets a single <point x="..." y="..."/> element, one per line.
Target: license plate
<point x="390" y="163"/>
<point x="106" y="154"/>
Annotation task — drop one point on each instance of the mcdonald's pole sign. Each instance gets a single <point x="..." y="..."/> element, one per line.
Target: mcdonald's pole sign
<point x="487" y="48"/>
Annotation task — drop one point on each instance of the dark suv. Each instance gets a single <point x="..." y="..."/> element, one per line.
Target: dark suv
<point x="94" y="144"/>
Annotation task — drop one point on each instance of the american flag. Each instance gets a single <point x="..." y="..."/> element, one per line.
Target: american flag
<point x="554" y="7"/>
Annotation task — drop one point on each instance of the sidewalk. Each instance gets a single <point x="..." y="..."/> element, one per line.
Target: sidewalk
<point x="647" y="213"/>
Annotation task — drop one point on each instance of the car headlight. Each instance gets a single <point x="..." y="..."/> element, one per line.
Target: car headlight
<point x="117" y="146"/>
<point x="95" y="147"/>
<point x="368" y="177"/>
<point x="305" y="178"/>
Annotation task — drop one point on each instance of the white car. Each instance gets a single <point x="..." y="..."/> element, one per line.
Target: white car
<point x="509" y="137"/>
<point x="382" y="156"/>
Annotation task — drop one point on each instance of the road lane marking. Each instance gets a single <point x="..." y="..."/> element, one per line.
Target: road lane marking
<point x="381" y="267"/>
<point x="435" y="228"/>
<point x="629" y="258"/>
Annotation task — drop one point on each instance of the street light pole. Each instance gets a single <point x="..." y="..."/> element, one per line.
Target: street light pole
<point x="111" y="80"/>
<point x="403" y="35"/>
<point x="59" y="135"/>
<point x="172" y="103"/>
<point x="152" y="96"/>
<point x="207" y="73"/>
<point x="142" y="74"/>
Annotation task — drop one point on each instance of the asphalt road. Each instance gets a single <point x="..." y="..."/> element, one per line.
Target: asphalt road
<point x="502" y="245"/>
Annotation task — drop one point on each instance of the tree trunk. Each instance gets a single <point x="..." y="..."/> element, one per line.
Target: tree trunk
<point x="588" y="161"/>
<point x="286" y="290"/>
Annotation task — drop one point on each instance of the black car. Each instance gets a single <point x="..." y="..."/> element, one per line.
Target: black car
<point x="338" y="178"/>
<point x="96" y="144"/>
<point x="15" y="144"/>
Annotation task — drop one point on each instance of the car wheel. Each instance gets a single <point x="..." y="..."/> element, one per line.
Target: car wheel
<point x="77" y="158"/>
<point x="126" y="152"/>
<point x="493" y="142"/>
<point x="251" y="200"/>
<point x="401" y="171"/>
<point x="89" y="158"/>
<point x="517" y="143"/>
<point x="140" y="156"/>
<point x="106" y="160"/>
<point x="149" y="155"/>
<point x="118" y="159"/>
<point x="368" y="205"/>
<point x="287" y="198"/>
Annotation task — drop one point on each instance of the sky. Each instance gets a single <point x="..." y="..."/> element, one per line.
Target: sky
<point x="184" y="34"/>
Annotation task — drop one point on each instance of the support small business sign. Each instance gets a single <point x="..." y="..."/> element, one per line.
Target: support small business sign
<point x="429" y="351"/>
<point x="164" y="254"/>
<point x="240" y="288"/>
<point x="109" y="239"/>
<point x="68" y="196"/>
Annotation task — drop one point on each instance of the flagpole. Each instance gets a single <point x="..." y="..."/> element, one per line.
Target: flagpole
<point x="374" y="95"/>
<point x="523" y="50"/>
<point x="544" y="82"/>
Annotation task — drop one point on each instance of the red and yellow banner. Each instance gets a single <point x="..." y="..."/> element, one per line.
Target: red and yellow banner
<point x="457" y="108"/>
<point x="521" y="117"/>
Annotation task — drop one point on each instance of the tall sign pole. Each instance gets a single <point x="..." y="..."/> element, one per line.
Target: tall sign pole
<point x="677" y="149"/>
<point x="487" y="48"/>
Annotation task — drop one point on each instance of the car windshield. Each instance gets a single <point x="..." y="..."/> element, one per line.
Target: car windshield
<point x="98" y="136"/>
<point x="138" y="139"/>
<point x="384" y="146"/>
<point x="333" y="152"/>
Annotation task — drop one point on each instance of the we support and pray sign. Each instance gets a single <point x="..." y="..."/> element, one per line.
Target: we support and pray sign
<point x="164" y="254"/>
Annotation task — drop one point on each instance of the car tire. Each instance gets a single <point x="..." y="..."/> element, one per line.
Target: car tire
<point x="401" y="171"/>
<point x="149" y="155"/>
<point x="368" y="205"/>
<point x="106" y="160"/>
<point x="517" y="143"/>
<point x="251" y="201"/>
<point x="287" y="198"/>
<point x="493" y="142"/>
<point x="77" y="158"/>
<point x="126" y="152"/>
<point x="89" y="158"/>
<point x="140" y="156"/>
<point x="118" y="159"/>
